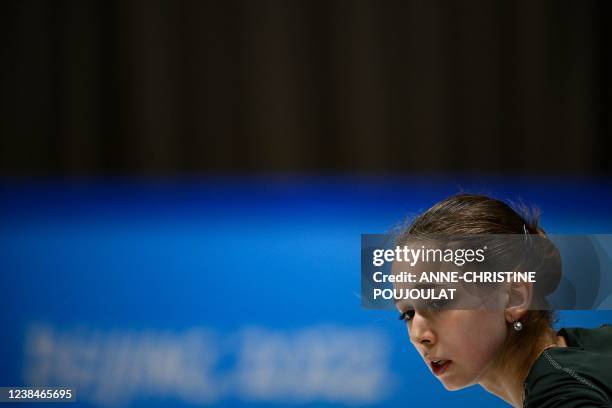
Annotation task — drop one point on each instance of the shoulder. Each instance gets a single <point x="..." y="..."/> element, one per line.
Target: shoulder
<point x="569" y="377"/>
<point x="596" y="338"/>
<point x="567" y="396"/>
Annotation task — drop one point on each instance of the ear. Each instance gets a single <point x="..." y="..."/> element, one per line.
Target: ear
<point x="519" y="300"/>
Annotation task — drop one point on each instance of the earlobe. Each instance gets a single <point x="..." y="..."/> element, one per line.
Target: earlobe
<point x="519" y="301"/>
<point x="514" y="315"/>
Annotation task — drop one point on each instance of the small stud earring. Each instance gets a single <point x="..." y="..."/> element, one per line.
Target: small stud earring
<point x="518" y="326"/>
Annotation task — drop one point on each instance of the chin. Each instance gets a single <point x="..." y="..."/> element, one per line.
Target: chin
<point x="452" y="386"/>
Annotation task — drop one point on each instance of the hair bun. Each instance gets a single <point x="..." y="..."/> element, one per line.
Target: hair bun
<point x="546" y="261"/>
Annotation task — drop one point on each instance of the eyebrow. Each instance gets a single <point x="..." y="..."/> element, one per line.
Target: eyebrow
<point x="426" y="285"/>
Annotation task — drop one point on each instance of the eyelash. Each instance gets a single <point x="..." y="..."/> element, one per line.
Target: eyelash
<point x="435" y="306"/>
<point x="406" y="316"/>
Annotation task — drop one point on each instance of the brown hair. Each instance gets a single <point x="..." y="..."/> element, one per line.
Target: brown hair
<point x="478" y="214"/>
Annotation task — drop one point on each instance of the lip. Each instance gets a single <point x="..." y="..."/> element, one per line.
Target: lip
<point x="439" y="370"/>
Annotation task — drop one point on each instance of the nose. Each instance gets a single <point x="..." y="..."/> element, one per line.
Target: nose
<point x="420" y="332"/>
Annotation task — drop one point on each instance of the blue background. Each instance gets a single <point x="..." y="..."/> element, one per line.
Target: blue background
<point x="229" y="253"/>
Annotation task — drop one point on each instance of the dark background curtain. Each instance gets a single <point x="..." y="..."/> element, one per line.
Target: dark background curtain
<point x="190" y="87"/>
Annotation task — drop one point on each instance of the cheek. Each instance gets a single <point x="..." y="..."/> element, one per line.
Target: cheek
<point x="479" y="337"/>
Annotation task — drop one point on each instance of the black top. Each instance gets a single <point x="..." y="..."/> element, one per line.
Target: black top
<point x="579" y="375"/>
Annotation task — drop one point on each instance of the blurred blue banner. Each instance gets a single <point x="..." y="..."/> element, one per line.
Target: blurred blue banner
<point x="230" y="291"/>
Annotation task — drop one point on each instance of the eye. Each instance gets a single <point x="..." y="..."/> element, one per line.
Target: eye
<point x="406" y="316"/>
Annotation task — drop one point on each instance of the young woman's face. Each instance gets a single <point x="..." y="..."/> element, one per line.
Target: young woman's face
<point x="466" y="333"/>
<point x="469" y="341"/>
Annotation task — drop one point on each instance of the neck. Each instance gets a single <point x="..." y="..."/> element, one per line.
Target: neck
<point x="505" y="377"/>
